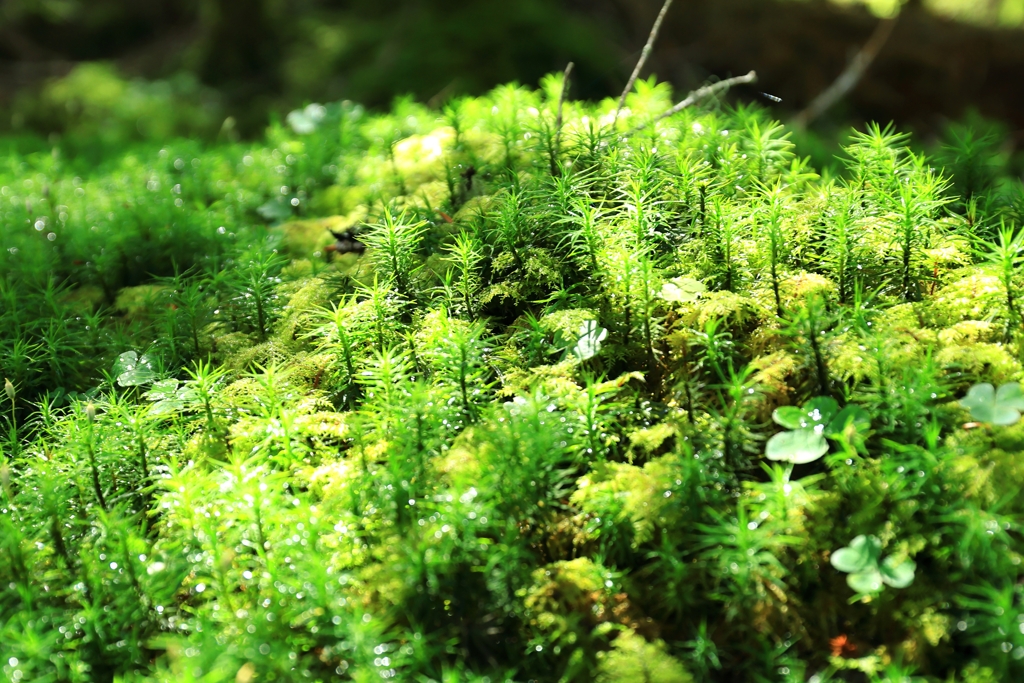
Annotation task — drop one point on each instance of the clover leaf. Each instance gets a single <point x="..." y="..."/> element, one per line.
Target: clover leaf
<point x="848" y="423"/>
<point x="867" y="575"/>
<point x="798" y="447"/>
<point x="1002" y="407"/>
<point x="168" y="397"/>
<point x="132" y="370"/>
<point x="863" y="552"/>
<point x="817" y="411"/>
<point x="898" y="574"/>
<point x="811" y="424"/>
<point x="589" y="342"/>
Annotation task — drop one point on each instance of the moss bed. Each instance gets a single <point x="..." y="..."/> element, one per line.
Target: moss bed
<point x="604" y="399"/>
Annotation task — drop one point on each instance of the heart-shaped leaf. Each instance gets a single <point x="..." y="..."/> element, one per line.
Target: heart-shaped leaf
<point x="848" y="422"/>
<point x="589" y="343"/>
<point x="162" y="391"/>
<point x="821" y="410"/>
<point x="898" y="574"/>
<point x="798" y="447"/>
<point x="682" y="290"/>
<point x="790" y="417"/>
<point x="866" y="574"/>
<point x="867" y="581"/>
<point x="133" y="371"/>
<point x="125" y="362"/>
<point x="817" y="411"/>
<point x="862" y="553"/>
<point x="1002" y="407"/>
<point x="169" y="398"/>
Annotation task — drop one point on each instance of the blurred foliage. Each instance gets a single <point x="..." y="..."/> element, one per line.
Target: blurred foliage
<point x="272" y="51"/>
<point x="96" y="106"/>
<point x="264" y="55"/>
<point x="983" y="12"/>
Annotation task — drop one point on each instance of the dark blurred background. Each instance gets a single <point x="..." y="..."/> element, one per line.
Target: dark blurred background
<point x="227" y="65"/>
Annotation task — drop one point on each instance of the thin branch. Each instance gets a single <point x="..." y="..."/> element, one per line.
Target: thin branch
<point x="698" y="95"/>
<point x="558" y="120"/>
<point x="643" y="56"/>
<point x="848" y="80"/>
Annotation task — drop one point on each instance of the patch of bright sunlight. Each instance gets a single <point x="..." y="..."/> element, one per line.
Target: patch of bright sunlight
<point x="985" y="12"/>
<point x="990" y="12"/>
<point x="882" y="8"/>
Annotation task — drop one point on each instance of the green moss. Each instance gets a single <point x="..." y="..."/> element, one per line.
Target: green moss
<point x="634" y="660"/>
<point x="140" y="302"/>
<point x="566" y="324"/>
<point x="975" y="296"/>
<point x="490" y="443"/>
<point x="619" y="492"/>
<point x="739" y="311"/>
<point x="305" y="239"/>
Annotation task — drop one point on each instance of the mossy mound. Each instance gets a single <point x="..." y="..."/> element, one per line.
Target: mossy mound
<point x="625" y="399"/>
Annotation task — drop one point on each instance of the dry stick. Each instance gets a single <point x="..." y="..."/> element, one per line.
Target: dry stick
<point x="851" y="76"/>
<point x="698" y="95"/>
<point x="643" y="56"/>
<point x="558" y="119"/>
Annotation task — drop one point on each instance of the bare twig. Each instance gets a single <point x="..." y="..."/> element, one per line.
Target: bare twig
<point x="851" y="76"/>
<point x="558" y="120"/>
<point x="698" y="95"/>
<point x="643" y="56"/>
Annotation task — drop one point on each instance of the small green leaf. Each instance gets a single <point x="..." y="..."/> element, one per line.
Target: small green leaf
<point x="848" y="560"/>
<point x="821" y="410"/>
<point x="1011" y="395"/>
<point x="817" y="411"/>
<point x="850" y="421"/>
<point x="798" y="447"/>
<point x="589" y="342"/>
<point x="790" y="417"/>
<point x="125" y="362"/>
<point x="167" y="407"/>
<point x="867" y="581"/>
<point x="1002" y="408"/>
<point x="682" y="290"/>
<point x="863" y="552"/>
<point x="163" y="390"/>
<point x="898" y="574"/>
<point x="133" y="371"/>
<point x="168" y="397"/>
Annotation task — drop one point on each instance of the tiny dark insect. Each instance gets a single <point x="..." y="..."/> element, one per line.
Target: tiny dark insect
<point x="468" y="175"/>
<point x="346" y="243"/>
